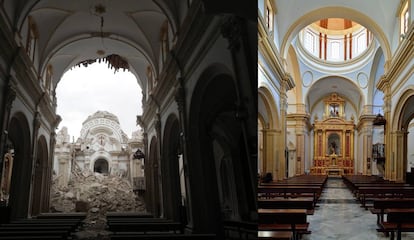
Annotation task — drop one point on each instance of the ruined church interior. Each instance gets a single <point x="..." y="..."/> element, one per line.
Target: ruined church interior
<point x="190" y="170"/>
<point x="266" y="119"/>
<point x="335" y="119"/>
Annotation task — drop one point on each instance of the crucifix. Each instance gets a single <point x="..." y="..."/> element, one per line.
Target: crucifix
<point x="102" y="140"/>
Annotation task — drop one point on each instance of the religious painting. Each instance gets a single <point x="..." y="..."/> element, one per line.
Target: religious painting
<point x="333" y="110"/>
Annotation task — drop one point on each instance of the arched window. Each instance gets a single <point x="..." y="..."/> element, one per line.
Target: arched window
<point x="269" y="17"/>
<point x="165" y="45"/>
<point x="404" y="19"/>
<point x="32" y="35"/>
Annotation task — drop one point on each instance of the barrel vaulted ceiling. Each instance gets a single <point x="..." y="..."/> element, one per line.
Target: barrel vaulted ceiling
<point x="72" y="31"/>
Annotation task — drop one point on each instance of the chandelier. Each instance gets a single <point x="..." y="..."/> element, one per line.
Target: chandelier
<point x="114" y="61"/>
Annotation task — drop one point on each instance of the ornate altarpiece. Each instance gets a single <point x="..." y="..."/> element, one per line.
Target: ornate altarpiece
<point x="333" y="140"/>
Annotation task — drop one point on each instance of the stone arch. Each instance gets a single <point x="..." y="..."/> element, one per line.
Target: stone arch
<point x="337" y="12"/>
<point x="295" y="95"/>
<point x="41" y="187"/>
<point x="212" y="126"/>
<point x="271" y="110"/>
<point x="404" y="110"/>
<point x="101" y="165"/>
<point x="19" y="135"/>
<point x="170" y="169"/>
<point x="403" y="114"/>
<point x="346" y="88"/>
<point x="268" y="122"/>
<point x="86" y="41"/>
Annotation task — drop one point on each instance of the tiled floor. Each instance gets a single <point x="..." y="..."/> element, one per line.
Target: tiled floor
<point x="340" y="217"/>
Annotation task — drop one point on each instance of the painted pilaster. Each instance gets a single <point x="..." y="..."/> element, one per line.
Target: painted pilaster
<point x="270" y="152"/>
<point x="399" y="154"/>
<point x="157" y="166"/>
<point x="365" y="148"/>
<point x="281" y="142"/>
<point x="389" y="158"/>
<point x="181" y="103"/>
<point x="300" y="152"/>
<point x="34" y="158"/>
<point x="9" y="97"/>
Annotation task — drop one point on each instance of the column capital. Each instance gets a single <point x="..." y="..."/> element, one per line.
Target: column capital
<point x="180" y="98"/>
<point x="231" y="29"/>
<point x="10" y="96"/>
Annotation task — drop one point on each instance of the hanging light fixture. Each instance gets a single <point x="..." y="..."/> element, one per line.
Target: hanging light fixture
<point x="114" y="61"/>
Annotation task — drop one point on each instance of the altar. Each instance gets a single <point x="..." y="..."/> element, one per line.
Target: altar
<point x="333" y="140"/>
<point x="334" y="171"/>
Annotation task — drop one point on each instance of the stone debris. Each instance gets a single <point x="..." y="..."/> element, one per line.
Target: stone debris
<point x="94" y="225"/>
<point x="87" y="189"/>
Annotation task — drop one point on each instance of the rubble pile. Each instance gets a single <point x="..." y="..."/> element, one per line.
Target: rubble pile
<point x="87" y="190"/>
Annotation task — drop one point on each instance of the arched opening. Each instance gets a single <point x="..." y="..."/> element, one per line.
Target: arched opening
<point x="102" y="90"/>
<point x="101" y="166"/>
<point x="172" y="185"/>
<point x="98" y="132"/>
<point x="218" y="155"/>
<point x="403" y="136"/>
<point x="268" y="122"/>
<point x="19" y="135"/>
<point x="40" y="198"/>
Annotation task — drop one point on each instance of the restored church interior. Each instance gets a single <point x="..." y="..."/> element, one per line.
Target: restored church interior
<point x="267" y="119"/>
<point x="335" y="119"/>
<point x="190" y="173"/>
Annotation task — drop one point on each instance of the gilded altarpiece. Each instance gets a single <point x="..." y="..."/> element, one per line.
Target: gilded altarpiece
<point x="334" y="140"/>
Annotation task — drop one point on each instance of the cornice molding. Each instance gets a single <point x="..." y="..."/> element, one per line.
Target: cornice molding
<point x="270" y="54"/>
<point x="364" y="120"/>
<point x="400" y="60"/>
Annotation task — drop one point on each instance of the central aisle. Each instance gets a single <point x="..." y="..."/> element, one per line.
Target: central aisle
<point x="340" y="217"/>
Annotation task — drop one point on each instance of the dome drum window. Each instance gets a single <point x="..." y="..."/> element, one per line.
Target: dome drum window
<point x="335" y="40"/>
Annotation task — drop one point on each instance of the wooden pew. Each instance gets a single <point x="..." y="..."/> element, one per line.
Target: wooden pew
<point x="57" y="237"/>
<point x="290" y="191"/>
<point x="290" y="203"/>
<point x="383" y="192"/>
<point x="282" y="220"/>
<point x="300" y="181"/>
<point x="381" y="204"/>
<point x="356" y="186"/>
<point x="45" y="227"/>
<point x="6" y="228"/>
<point x="399" y="220"/>
<point x="63" y="234"/>
<point x="351" y="180"/>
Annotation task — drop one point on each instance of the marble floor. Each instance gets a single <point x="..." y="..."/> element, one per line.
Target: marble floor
<point x="340" y="217"/>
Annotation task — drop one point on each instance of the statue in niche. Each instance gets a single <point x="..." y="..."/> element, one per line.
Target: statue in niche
<point x="6" y="176"/>
<point x="333" y="147"/>
<point x="333" y="144"/>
